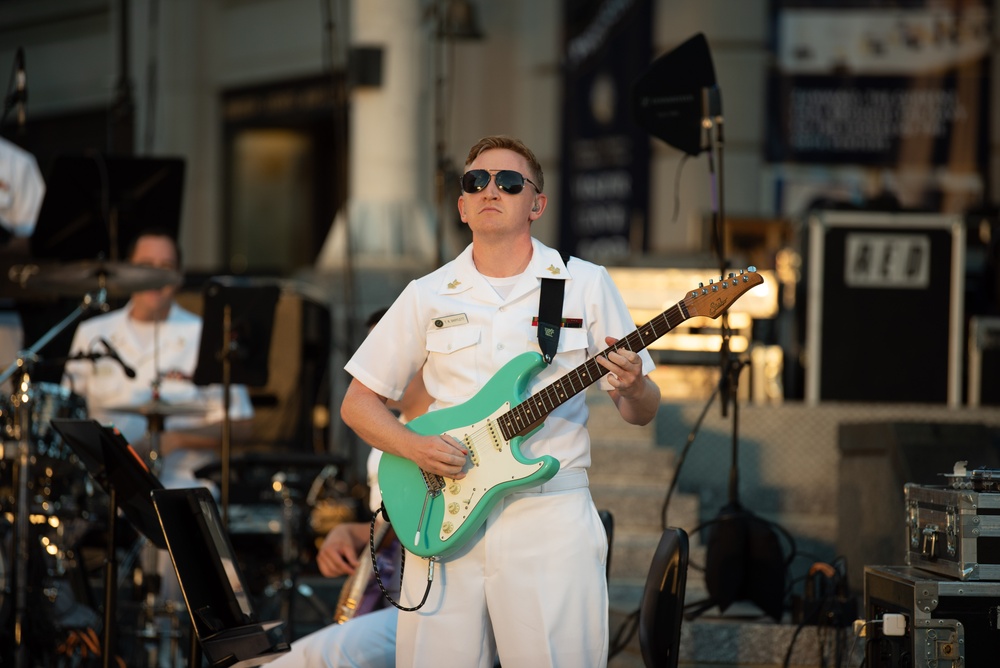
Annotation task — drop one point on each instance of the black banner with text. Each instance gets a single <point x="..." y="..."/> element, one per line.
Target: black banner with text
<point x="604" y="193"/>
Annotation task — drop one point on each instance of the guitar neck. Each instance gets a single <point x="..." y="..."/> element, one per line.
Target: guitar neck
<point x="523" y="417"/>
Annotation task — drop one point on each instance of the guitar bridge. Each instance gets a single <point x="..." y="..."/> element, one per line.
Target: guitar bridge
<point x="435" y="483"/>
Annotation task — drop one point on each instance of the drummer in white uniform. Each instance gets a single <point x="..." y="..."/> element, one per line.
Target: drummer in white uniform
<point x="158" y="342"/>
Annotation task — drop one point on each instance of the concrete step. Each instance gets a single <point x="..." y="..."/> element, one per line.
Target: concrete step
<point x="607" y="426"/>
<point x="622" y="461"/>
<point x="634" y="504"/>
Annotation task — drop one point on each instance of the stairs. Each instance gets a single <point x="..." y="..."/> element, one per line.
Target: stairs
<point x="630" y="476"/>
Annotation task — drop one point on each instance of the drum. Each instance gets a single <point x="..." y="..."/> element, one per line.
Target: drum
<point x="53" y="401"/>
<point x="57" y="483"/>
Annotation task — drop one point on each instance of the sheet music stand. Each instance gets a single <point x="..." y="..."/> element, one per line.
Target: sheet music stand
<point x="120" y="471"/>
<point x="96" y="205"/>
<point x="235" y="347"/>
<point x="223" y="619"/>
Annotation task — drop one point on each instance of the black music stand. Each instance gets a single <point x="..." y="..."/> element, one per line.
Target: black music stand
<point x="235" y="347"/>
<point x="120" y="471"/>
<point x="96" y="205"/>
<point x="224" y="623"/>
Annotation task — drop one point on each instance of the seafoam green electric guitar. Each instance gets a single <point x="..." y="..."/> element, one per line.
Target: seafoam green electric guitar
<point x="433" y="515"/>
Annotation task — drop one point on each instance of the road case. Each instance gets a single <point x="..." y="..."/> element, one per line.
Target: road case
<point x="949" y="623"/>
<point x="954" y="532"/>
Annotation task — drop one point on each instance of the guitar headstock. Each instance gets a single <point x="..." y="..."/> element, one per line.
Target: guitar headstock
<point x="713" y="299"/>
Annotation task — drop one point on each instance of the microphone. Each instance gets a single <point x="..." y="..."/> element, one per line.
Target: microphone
<point x="113" y="354"/>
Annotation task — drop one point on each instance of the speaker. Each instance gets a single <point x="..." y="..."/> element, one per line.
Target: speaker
<point x="884" y="307"/>
<point x="285" y="410"/>
<point x="364" y="66"/>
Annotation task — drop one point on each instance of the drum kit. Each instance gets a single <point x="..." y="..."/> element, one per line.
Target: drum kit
<point x="52" y="511"/>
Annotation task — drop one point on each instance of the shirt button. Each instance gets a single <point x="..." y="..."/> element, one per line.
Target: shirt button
<point x="499" y="346"/>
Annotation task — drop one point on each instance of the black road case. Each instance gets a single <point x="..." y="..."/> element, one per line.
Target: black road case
<point x="949" y="623"/>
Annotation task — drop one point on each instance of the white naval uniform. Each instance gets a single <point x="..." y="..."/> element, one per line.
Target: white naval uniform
<point x="168" y="346"/>
<point x="532" y="581"/>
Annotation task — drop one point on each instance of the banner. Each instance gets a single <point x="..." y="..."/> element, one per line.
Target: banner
<point x="604" y="195"/>
<point x="888" y="85"/>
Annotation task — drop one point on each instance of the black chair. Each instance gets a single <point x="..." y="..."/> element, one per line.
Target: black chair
<point x="608" y="520"/>
<point x="662" y="608"/>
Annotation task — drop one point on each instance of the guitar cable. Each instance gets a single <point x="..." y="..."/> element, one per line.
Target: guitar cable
<point x="402" y="565"/>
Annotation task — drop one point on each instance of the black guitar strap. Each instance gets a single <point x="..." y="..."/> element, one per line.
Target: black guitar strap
<point x="550" y="304"/>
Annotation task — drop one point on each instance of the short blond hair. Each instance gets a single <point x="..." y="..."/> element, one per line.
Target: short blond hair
<point x="511" y="144"/>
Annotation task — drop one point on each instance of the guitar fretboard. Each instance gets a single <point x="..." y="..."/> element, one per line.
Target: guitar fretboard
<point x="526" y="415"/>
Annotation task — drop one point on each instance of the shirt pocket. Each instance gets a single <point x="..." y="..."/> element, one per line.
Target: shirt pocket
<point x="453" y="339"/>
<point x="572" y="339"/>
<point x="451" y="369"/>
<point x="573" y="343"/>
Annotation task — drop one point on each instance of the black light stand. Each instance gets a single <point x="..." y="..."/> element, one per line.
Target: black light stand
<point x="678" y="101"/>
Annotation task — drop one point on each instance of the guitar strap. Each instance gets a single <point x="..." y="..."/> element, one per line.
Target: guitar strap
<point x="550" y="304"/>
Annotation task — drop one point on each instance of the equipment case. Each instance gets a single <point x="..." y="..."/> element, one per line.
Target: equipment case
<point x="954" y="532"/>
<point x="949" y="623"/>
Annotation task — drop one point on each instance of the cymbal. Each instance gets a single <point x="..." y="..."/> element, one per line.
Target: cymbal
<point x="160" y="408"/>
<point x="118" y="278"/>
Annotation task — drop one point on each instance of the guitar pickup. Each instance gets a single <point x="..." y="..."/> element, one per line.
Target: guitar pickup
<point x="495" y="437"/>
<point x="473" y="455"/>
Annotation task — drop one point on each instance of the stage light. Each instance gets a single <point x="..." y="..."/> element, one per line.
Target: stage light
<point x="676" y="94"/>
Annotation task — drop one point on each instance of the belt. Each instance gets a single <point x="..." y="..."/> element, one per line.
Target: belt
<point x="564" y="480"/>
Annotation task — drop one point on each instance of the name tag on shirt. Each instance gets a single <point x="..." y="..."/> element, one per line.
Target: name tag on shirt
<point x="450" y="321"/>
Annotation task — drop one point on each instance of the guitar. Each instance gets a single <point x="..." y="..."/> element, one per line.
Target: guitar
<point x="351" y="601"/>
<point x="433" y="516"/>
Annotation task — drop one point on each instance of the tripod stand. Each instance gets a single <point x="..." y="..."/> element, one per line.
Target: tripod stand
<point x="677" y="100"/>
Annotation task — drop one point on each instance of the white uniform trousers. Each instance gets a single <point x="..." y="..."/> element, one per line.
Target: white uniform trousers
<point x="529" y="586"/>
<point x="367" y="641"/>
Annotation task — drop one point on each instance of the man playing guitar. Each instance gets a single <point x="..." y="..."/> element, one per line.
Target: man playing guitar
<point x="511" y="589"/>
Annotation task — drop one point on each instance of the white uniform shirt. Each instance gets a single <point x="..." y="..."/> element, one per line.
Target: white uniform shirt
<point x="104" y="384"/>
<point x="454" y="324"/>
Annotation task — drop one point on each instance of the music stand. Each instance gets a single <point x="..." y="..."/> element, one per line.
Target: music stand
<point x="235" y="347"/>
<point x="120" y="471"/>
<point x="96" y="205"/>
<point x="224" y="623"/>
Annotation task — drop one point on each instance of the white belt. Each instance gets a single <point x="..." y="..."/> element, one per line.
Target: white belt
<point x="572" y="479"/>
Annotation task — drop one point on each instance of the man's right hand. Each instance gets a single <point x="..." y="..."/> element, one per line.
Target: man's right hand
<point x="441" y="455"/>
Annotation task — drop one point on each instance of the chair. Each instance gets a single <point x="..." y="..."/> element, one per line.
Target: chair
<point x="662" y="608"/>
<point x="608" y="520"/>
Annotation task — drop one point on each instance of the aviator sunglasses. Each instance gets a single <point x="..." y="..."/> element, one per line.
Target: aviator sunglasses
<point x="507" y="180"/>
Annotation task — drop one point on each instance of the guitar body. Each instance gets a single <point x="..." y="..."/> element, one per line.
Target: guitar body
<point x="432" y="524"/>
